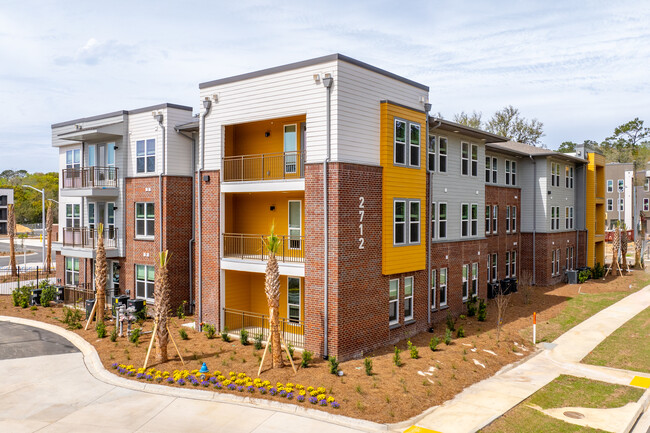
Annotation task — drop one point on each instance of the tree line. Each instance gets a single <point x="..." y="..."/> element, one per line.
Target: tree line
<point x="27" y="202"/>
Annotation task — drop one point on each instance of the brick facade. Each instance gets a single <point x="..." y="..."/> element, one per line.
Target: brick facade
<point x="545" y="243"/>
<point x="503" y="241"/>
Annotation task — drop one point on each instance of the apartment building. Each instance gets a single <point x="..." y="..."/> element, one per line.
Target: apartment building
<point x="619" y="192"/>
<point x="6" y="198"/>
<point x="131" y="172"/>
<point x="594" y="211"/>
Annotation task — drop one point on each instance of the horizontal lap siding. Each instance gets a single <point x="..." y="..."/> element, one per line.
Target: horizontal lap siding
<point x="57" y="141"/>
<point x="179" y="148"/>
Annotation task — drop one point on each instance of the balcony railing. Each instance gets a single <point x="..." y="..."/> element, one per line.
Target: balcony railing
<point x="83" y="237"/>
<point x="266" y="166"/>
<point x="293" y="331"/>
<point x="251" y="247"/>
<point x="90" y="177"/>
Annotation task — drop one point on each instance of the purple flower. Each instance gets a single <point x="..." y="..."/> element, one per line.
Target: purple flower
<point x="313" y="400"/>
<point x="213" y="380"/>
<point x="240" y="388"/>
<point x="139" y="375"/>
<point x="300" y="398"/>
<point x="218" y="385"/>
<point x="195" y="382"/>
<point x="232" y="387"/>
<point x="290" y="396"/>
<point x="335" y="405"/>
<point x="263" y="390"/>
<point x="170" y="380"/>
<point x="149" y="377"/>
<point x="283" y="393"/>
<point x="273" y="391"/>
<point x="205" y="383"/>
<point x="181" y="381"/>
<point x="323" y="402"/>
<point x="130" y="373"/>
<point x="251" y="389"/>
<point x="114" y="365"/>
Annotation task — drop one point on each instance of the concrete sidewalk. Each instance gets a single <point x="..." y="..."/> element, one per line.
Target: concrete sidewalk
<point x="483" y="402"/>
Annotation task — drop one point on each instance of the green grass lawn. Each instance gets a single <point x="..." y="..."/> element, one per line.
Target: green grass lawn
<point x="561" y="392"/>
<point x="627" y="348"/>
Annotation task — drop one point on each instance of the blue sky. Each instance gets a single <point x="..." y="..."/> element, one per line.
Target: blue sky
<point x="581" y="68"/>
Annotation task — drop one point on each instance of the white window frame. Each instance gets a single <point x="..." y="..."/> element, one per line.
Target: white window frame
<point x="621" y="185"/>
<point x="464" y="160"/>
<point x="465" y="282"/>
<point x="474" y="289"/>
<point x="513" y="218"/>
<point x="495" y="267"/>
<point x="610" y="185"/>
<point x="91" y="215"/>
<point x="442" y="222"/>
<point x="513" y="264"/>
<point x="646" y="184"/>
<point x="646" y="204"/>
<point x="507" y="219"/>
<point x="431" y="153"/>
<point x="433" y="220"/>
<point x="513" y="173"/>
<point x="464" y="221"/>
<point x="412" y="146"/>
<point x="434" y="283"/>
<point x="72" y="271"/>
<point x="289" y="304"/>
<point x="567" y="258"/>
<point x="473" y="218"/>
<point x="570" y="177"/>
<point x="393" y="301"/>
<point x="570" y="217"/>
<point x="72" y="215"/>
<point x="408" y="222"/>
<point x="495" y="219"/>
<point x="508" y="171"/>
<point x="488" y="219"/>
<point x="507" y="264"/>
<point x="495" y="170"/>
<point x="557" y="261"/>
<point x="488" y="169"/>
<point x="405" y="143"/>
<point x="145" y="155"/>
<point x="409" y="146"/>
<point x="73" y="159"/>
<point x="610" y="205"/>
<point x="552" y="263"/>
<point x="145" y="219"/>
<point x="442" y="156"/>
<point x="146" y="283"/>
<point x="473" y="160"/>
<point x="408" y="299"/>
<point x="402" y="223"/>
<point x="293" y="245"/>
<point x="414" y="221"/>
<point x="443" y="287"/>
<point x="572" y="258"/>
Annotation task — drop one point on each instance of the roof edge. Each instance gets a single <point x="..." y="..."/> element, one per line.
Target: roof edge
<point x="121" y="113"/>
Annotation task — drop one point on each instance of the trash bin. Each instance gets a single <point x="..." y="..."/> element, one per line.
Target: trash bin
<point x="492" y="289"/>
<point x="512" y="285"/>
<point x="89" y="307"/>
<point x="35" y="296"/>
<point x="139" y="305"/>
<point x="60" y="293"/>
<point x="116" y="301"/>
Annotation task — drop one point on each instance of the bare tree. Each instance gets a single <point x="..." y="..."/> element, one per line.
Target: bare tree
<point x="161" y="295"/>
<point x="501" y="300"/>
<point x="12" y="234"/>
<point x="49" y="221"/>
<point x="101" y="272"/>
<point x="526" y="285"/>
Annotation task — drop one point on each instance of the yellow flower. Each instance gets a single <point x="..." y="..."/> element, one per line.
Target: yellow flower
<point x="300" y="387"/>
<point x="321" y="390"/>
<point x="330" y="399"/>
<point x="241" y="375"/>
<point x="302" y="392"/>
<point x="310" y="388"/>
<point x="314" y="393"/>
<point x="216" y="373"/>
<point x="227" y="382"/>
<point x="321" y="397"/>
<point x="232" y="373"/>
<point x="289" y="385"/>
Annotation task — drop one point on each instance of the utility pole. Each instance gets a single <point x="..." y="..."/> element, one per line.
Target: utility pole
<point x="42" y="191"/>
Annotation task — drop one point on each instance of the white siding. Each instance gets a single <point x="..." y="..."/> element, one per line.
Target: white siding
<point x="142" y="126"/>
<point x="178" y="160"/>
<point x="56" y="141"/>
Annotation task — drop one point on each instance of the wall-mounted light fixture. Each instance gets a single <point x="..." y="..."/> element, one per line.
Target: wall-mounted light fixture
<point x="316" y="78"/>
<point x="272" y="208"/>
<point x="267" y="133"/>
<point x="115" y="147"/>
<point x="114" y="207"/>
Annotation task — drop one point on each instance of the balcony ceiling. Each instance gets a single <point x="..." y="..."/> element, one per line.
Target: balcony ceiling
<point x="106" y="132"/>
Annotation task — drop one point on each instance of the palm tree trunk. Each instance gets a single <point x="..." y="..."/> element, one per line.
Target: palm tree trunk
<point x="101" y="271"/>
<point x="12" y="234"/>
<point x="161" y="296"/>
<point x="624" y="247"/>
<point x="49" y="221"/>
<point x="272" y="288"/>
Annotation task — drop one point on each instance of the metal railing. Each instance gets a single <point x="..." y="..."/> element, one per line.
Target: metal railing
<point x="23" y="276"/>
<point x="90" y="177"/>
<point x="293" y="331"/>
<point x="78" y="294"/>
<point x="251" y="247"/>
<point x="83" y="237"/>
<point x="265" y="166"/>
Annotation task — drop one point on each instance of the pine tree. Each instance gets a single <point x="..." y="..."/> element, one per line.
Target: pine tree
<point x="161" y="295"/>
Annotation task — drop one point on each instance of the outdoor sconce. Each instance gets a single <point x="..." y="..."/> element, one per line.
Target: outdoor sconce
<point x="115" y="147"/>
<point x="267" y="133"/>
<point x="114" y="207"/>
<point x="272" y="208"/>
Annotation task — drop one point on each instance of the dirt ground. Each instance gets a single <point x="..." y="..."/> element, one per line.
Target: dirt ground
<point x="391" y="393"/>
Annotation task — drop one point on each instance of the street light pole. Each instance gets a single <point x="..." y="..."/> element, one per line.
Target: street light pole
<point x="42" y="191"/>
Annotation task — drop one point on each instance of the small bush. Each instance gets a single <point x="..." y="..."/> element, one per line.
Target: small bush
<point x="460" y="333"/>
<point x="290" y="349"/>
<point x="33" y="308"/>
<point x="448" y="336"/>
<point x="396" y="358"/>
<point x="413" y="350"/>
<point x="598" y="271"/>
<point x="333" y="364"/>
<point x="210" y="331"/>
<point x="584" y="275"/>
<point x="20" y="296"/>
<point x="114" y="334"/>
<point x="258" y="342"/>
<point x="101" y="329"/>
<point x="433" y="343"/>
<point x="450" y="323"/>
<point x="48" y="295"/>
<point x="135" y="336"/>
<point x="471" y="307"/>
<point x="183" y="333"/>
<point x="224" y="335"/>
<point x="72" y="317"/>
<point x="142" y="314"/>
<point x="482" y="310"/>
<point x="243" y="337"/>
<point x="180" y="311"/>
<point x="43" y="284"/>
<point x="367" y="364"/>
<point x="306" y="358"/>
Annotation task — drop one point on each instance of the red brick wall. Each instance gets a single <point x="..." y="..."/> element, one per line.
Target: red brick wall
<point x="545" y="243"/>
<point x="502" y="241"/>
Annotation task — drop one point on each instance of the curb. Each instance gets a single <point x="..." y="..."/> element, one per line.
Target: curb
<point x="96" y="369"/>
<point x="643" y="403"/>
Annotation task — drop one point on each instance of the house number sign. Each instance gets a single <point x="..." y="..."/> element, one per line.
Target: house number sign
<point x="361" y="213"/>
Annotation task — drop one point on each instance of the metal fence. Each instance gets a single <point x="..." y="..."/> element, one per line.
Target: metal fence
<point x="293" y="331"/>
<point x="90" y="177"/>
<point x="83" y="237"/>
<point x="78" y="295"/>
<point x="251" y="247"/>
<point x="266" y="166"/>
<point x="24" y="276"/>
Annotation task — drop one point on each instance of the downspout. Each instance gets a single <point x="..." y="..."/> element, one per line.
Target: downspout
<point x="159" y="119"/>
<point x="427" y="108"/>
<point x="327" y="82"/>
<point x="191" y="241"/>
<point x="207" y="104"/>
<point x="534" y="213"/>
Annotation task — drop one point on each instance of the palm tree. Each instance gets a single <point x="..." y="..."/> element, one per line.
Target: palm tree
<point x="101" y="271"/>
<point x="49" y="221"/>
<point x="616" y="246"/>
<point x="624" y="246"/>
<point x="161" y="295"/>
<point x="272" y="288"/>
<point x="12" y="234"/>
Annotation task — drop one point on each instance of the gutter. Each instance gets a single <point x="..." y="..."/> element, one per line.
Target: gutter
<point x="327" y="82"/>
<point x="534" y="214"/>
<point x="427" y="108"/>
<point x="207" y="104"/>
<point x="159" y="119"/>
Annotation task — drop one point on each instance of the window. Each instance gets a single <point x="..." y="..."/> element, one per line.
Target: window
<point x="494" y="170"/>
<point x="507" y="264"/>
<point x="145" y="161"/>
<point x="433" y="220"/>
<point x="610" y="205"/>
<point x="487" y="169"/>
<point x="400" y="222"/>
<point x="443" y="287"/>
<point x="568" y="177"/>
<point x="567" y="258"/>
<point x="495" y="213"/>
<point x="465" y="281"/>
<point x="555" y="218"/>
<point x="513" y="264"/>
<point x="557" y="261"/>
<point x="432" y="153"/>
<point x="494" y="268"/>
<point x="646" y="184"/>
<point x="513" y="218"/>
<point x="144" y="220"/>
<point x="511" y="172"/>
<point x="507" y="218"/>
<point x="474" y="160"/>
<point x="464" y="159"/>
<point x="393" y="302"/>
<point x="474" y="279"/>
<point x="621" y="204"/>
<point x="295" y="224"/>
<point x="73" y="159"/>
<point x="610" y="185"/>
<point x="553" y="263"/>
<point x="290" y="148"/>
<point x="414" y="146"/>
<point x="414" y="222"/>
<point x="408" y="298"/>
<point x="570" y="218"/>
<point x="571" y="258"/>
<point x="71" y="271"/>
<point x="488" y="219"/>
<point x="621" y="185"/>
<point x="91" y="216"/>
<point x="442" y="154"/>
<point x="293" y="299"/>
<point x="144" y="282"/>
<point x="646" y="204"/>
<point x="433" y="289"/>
<point x="442" y="220"/>
<point x="474" y="220"/>
<point x="400" y="142"/>
<point x="110" y="223"/>
<point x="464" y="220"/>
<point x="400" y="149"/>
<point x="73" y="215"/>
<point x="555" y="174"/>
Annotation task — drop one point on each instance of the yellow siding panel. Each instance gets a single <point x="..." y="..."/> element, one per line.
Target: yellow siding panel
<point x="401" y="182"/>
<point x="251" y="213"/>
<point x="250" y="138"/>
<point x="237" y="290"/>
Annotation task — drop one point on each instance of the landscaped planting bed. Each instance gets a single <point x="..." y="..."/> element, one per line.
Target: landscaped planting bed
<point x="389" y="394"/>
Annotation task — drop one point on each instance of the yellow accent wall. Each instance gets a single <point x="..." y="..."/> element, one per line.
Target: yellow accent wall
<point x="401" y="182"/>
<point x="251" y="213"/>
<point x="249" y="138"/>
<point x="595" y="212"/>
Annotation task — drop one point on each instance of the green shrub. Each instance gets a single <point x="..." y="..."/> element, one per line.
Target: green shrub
<point x="258" y="342"/>
<point x="471" y="307"/>
<point x="180" y="311"/>
<point x="482" y="310"/>
<point x="20" y="296"/>
<point x="210" y="331"/>
<point x="142" y="314"/>
<point x="243" y="337"/>
<point x="333" y="364"/>
<point x="224" y="335"/>
<point x="135" y="336"/>
<point x="450" y="322"/>
<point x="413" y="350"/>
<point x="584" y="275"/>
<point x="367" y="364"/>
<point x="49" y="294"/>
<point x="183" y="333"/>
<point x="43" y="284"/>
<point x="598" y="271"/>
<point x="460" y="333"/>
<point x="33" y="308"/>
<point x="433" y="343"/>
<point x="72" y="317"/>
<point x="306" y="358"/>
<point x="114" y="334"/>
<point x="448" y="336"/>
<point x="101" y="329"/>
<point x="396" y="358"/>
<point x="290" y="349"/>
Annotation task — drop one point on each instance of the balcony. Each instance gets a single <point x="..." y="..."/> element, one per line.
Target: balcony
<point x="251" y="248"/>
<point x="89" y="182"/>
<point x="293" y="331"/>
<point x="264" y="167"/>
<point x="83" y="237"/>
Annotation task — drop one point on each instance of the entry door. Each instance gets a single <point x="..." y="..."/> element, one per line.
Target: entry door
<point x="295" y="229"/>
<point x="101" y="214"/>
